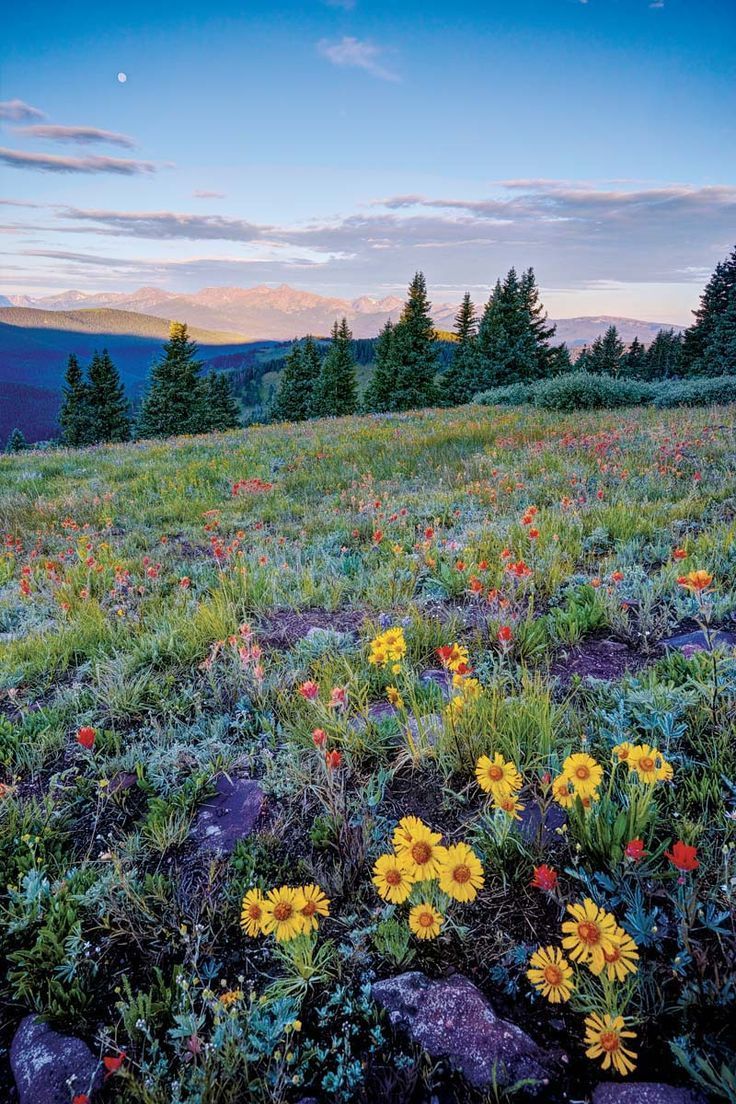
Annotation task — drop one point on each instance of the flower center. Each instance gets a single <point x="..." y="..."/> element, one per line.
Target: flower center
<point x="254" y="912"/>
<point x="588" y="932"/>
<point x="582" y="772"/>
<point x="393" y="877"/>
<point x="426" y="919"/>
<point x="552" y="974"/>
<point x="421" y="853"/>
<point x="309" y="909"/>
<point x="613" y="955"/>
<point x="495" y="773"/>
<point x="646" y="764"/>
<point x="461" y="874"/>
<point x="282" y="911"/>
<point x="609" y="1040"/>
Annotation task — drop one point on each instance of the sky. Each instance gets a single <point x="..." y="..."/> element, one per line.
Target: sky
<point x="340" y="145"/>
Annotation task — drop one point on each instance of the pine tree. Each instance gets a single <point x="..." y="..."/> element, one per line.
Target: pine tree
<point x="635" y="360"/>
<point x="582" y="360"/>
<point x="336" y="388"/>
<point x="108" y="404"/>
<point x="311" y="367"/>
<point x="513" y="334"/>
<point x="606" y="354"/>
<point x="720" y="352"/>
<point x="221" y="407"/>
<point x="377" y="396"/>
<point x="413" y="352"/>
<point x="459" y="382"/>
<point x="558" y="360"/>
<point x="174" y="402"/>
<point x="713" y="303"/>
<point x="537" y="320"/>
<point x="295" y="396"/>
<point x="16" y="442"/>
<point x="75" y="415"/>
<point x="664" y="356"/>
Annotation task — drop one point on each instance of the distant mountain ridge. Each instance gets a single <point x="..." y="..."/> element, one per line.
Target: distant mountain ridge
<point x="281" y="313"/>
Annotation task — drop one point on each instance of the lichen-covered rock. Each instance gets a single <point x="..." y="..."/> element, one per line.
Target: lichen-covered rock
<point x="50" y="1068"/>
<point x="645" y="1092"/>
<point x="229" y="815"/>
<point x="451" y="1018"/>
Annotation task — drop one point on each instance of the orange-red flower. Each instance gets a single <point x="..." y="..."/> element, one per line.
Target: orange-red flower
<point x="683" y="856"/>
<point x="309" y="690"/>
<point x="86" y="737"/>
<point x="635" y="849"/>
<point x="333" y="759"/>
<point x="545" y="877"/>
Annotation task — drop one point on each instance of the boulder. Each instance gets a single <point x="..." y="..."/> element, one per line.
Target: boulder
<point x="229" y="815"/>
<point x="697" y="642"/>
<point x="450" y="1018"/>
<point x="645" y="1092"/>
<point x="531" y="817"/>
<point x="50" y="1068"/>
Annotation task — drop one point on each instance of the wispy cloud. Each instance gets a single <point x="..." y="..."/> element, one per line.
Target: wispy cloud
<point x="168" y="225"/>
<point x="84" y="135"/>
<point x="46" y="162"/>
<point x="354" y="53"/>
<point x="202" y="193"/>
<point x="16" y="111"/>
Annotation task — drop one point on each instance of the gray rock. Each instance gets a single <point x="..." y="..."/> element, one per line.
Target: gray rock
<point x="451" y="1018"/>
<point x="438" y="676"/>
<point x="48" y="1067"/>
<point x="425" y="729"/>
<point x="531" y="817"/>
<point x="229" y="815"/>
<point x="697" y="640"/>
<point x="645" y="1092"/>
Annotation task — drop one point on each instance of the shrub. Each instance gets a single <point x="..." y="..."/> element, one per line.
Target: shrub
<point x="695" y="392"/>
<point x="515" y="394"/>
<point x="583" y="391"/>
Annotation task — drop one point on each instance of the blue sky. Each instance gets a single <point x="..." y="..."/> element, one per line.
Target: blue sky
<point x="339" y="146"/>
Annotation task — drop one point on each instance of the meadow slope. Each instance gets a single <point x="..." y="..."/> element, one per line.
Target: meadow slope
<point x="177" y="617"/>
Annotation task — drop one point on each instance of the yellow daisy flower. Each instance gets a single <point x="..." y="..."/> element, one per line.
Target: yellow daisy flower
<point x="312" y="903"/>
<point x="590" y="935"/>
<point x="563" y="792"/>
<point x="603" y="1038"/>
<point x="425" y="921"/>
<point x="281" y="914"/>
<point x="648" y="764"/>
<point x="460" y="873"/>
<point x="551" y="974"/>
<point x="251" y="914"/>
<point x="406" y="831"/>
<point x="497" y="776"/>
<point x="394" y="697"/>
<point x="511" y="806"/>
<point x="584" y="773"/>
<point x="622" y="751"/>
<point x="393" y="878"/>
<point x="423" y="852"/>
<point x="623" y="958"/>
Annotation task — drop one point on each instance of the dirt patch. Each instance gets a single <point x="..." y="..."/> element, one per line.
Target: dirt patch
<point x="600" y="658"/>
<point x="284" y="627"/>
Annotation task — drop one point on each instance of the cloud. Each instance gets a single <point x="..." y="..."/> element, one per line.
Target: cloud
<point x="202" y="193"/>
<point x="46" y="162"/>
<point x="352" y="53"/>
<point x="167" y="225"/>
<point x="85" y="135"/>
<point x="16" y="111"/>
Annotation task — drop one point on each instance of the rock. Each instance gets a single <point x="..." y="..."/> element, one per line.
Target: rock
<point x="451" y="1018"/>
<point x="531" y="817"/>
<point x="438" y="676"/>
<point x="230" y="815"/>
<point x="44" y="1063"/>
<point x="425" y="729"/>
<point x="645" y="1092"/>
<point x="123" y="780"/>
<point x="697" y="640"/>
<point x="375" y="714"/>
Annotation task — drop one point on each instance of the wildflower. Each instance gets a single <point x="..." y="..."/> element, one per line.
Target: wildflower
<point x="319" y="737"/>
<point x="388" y="647"/>
<point x="425" y="921"/>
<point x="584" y="773"/>
<point x="497" y="776"/>
<point x="510" y="805"/>
<point x="394" y="697"/>
<point x="505" y="635"/>
<point x="544" y="878"/>
<point x="112" y="1065"/>
<point x="551" y="974"/>
<point x="309" y="690"/>
<point x="281" y="914"/>
<point x="393" y="877"/>
<point x="185" y="582"/>
<point x="679" y="554"/>
<point x="460" y="873"/>
<point x="312" y="903"/>
<point x="333" y="759"/>
<point x="603" y="1038"/>
<point x="696" y="580"/>
<point x="338" y="698"/>
<point x="648" y="764"/>
<point x="634" y="850"/>
<point x="252" y="914"/>
<point x="562" y="791"/>
<point x="406" y="831"/>
<point x="454" y="657"/>
<point x="622" y="959"/>
<point x="617" y="576"/>
<point x="80" y="1098"/>
<point x="589" y="934"/>
<point x="623" y="751"/>
<point x="683" y="856"/>
<point x="230" y="997"/>
<point x="423" y="852"/>
<point x="86" y="737"/>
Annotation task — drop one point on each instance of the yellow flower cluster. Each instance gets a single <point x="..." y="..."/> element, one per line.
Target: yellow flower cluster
<point x="388" y="649"/>
<point x="582" y="774"/>
<point x="285" y="912"/>
<point x="466" y="689"/>
<point x="419" y="857"/>
<point x="500" y="778"/>
<point x="591" y="938"/>
<point x="646" y="762"/>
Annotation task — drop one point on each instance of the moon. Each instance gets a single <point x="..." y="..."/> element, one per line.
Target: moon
<point x="122" y="78"/>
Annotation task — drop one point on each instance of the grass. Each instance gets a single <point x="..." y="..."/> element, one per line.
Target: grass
<point x="141" y="597"/>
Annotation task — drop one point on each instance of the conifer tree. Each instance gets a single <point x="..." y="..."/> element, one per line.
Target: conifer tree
<point x="719" y="357"/>
<point x="377" y="396"/>
<point x="559" y="360"/>
<point x="413" y="352"/>
<point x="16" y="442"/>
<point x="664" y="356"/>
<point x="75" y="415"/>
<point x="460" y="381"/>
<point x="542" y="330"/>
<point x="635" y="360"/>
<point x="606" y="355"/>
<point x="295" y="396"/>
<point x="221" y="409"/>
<point x="336" y="388"/>
<point x="513" y="334"/>
<point x="713" y="303"/>
<point x="108" y="404"/>
<point x="173" y="403"/>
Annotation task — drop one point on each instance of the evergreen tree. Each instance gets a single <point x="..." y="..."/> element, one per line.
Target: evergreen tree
<point x="311" y="367"/>
<point x="108" y="405"/>
<point x="513" y="334"/>
<point x="75" y="415"/>
<point x="16" y="442"/>
<point x="377" y="396"/>
<point x="413" y="352"/>
<point x="582" y="360"/>
<point x="336" y="387"/>
<point x="295" y="396"/>
<point x="174" y="402"/>
<point x="221" y="407"/>
<point x="635" y="360"/>
<point x="606" y="354"/>
<point x="559" y="360"/>
<point x="713" y="303"/>
<point x="540" y="327"/>
<point x="720" y="352"/>
<point x="664" y="356"/>
<point x="459" y="382"/>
